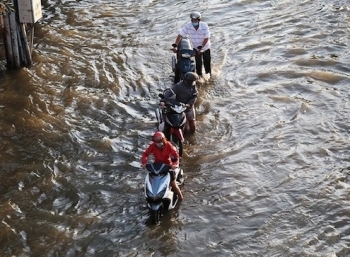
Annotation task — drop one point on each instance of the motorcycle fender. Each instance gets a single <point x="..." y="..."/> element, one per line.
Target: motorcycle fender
<point x="170" y="195"/>
<point x="154" y="206"/>
<point x="156" y="184"/>
<point x="177" y="132"/>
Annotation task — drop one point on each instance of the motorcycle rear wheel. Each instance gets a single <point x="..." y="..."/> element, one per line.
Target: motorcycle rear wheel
<point x="177" y="142"/>
<point x="177" y="76"/>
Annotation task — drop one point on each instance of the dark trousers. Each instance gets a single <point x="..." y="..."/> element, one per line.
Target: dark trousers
<point x="205" y="59"/>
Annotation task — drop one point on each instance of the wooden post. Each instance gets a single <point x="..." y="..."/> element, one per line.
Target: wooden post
<point x="13" y="28"/>
<point x="27" y="54"/>
<point x="3" y="30"/>
<point x="14" y="40"/>
<point x="21" y="46"/>
<point x="7" y="38"/>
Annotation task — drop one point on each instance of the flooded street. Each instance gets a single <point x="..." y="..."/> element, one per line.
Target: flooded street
<point x="266" y="174"/>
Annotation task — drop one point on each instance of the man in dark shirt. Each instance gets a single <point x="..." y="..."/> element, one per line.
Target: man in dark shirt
<point x="186" y="92"/>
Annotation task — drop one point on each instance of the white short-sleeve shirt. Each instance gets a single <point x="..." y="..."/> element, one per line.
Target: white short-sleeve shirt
<point x="197" y="36"/>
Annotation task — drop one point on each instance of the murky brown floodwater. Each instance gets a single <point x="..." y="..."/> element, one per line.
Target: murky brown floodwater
<point x="267" y="173"/>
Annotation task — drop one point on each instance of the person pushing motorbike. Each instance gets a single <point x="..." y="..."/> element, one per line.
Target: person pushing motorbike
<point x="163" y="152"/>
<point x="199" y="33"/>
<point x="185" y="92"/>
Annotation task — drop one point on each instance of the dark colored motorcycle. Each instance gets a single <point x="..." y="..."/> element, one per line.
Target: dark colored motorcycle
<point x="185" y="59"/>
<point x="171" y="121"/>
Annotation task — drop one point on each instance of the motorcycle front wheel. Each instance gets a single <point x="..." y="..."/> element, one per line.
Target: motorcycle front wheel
<point x="177" y="142"/>
<point x="156" y="215"/>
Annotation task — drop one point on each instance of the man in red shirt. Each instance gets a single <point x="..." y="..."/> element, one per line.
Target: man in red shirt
<point x="163" y="152"/>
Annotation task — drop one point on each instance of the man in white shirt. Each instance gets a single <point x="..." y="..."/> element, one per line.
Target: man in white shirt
<point x="199" y="34"/>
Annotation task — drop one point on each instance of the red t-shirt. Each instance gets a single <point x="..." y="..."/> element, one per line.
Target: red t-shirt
<point x="162" y="155"/>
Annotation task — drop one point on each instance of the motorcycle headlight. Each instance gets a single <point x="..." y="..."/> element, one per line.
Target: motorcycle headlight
<point x="186" y="55"/>
<point x="161" y="193"/>
<point x="156" y="196"/>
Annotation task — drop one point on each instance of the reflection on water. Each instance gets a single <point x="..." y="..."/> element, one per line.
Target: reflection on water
<point x="266" y="173"/>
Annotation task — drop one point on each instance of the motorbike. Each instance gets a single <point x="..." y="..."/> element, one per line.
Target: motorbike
<point x="171" y="121"/>
<point x="185" y="59"/>
<point x="158" y="191"/>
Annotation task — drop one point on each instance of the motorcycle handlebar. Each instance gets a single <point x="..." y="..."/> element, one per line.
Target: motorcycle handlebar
<point x="170" y="103"/>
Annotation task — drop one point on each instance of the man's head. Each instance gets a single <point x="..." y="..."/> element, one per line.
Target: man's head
<point x="159" y="139"/>
<point x="190" y="78"/>
<point x="195" y="18"/>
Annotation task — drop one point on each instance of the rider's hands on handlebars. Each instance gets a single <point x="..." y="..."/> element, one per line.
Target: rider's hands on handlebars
<point x="161" y="103"/>
<point x="174" y="49"/>
<point x="199" y="49"/>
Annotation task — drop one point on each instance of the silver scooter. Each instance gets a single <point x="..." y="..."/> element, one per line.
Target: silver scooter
<point x="158" y="191"/>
